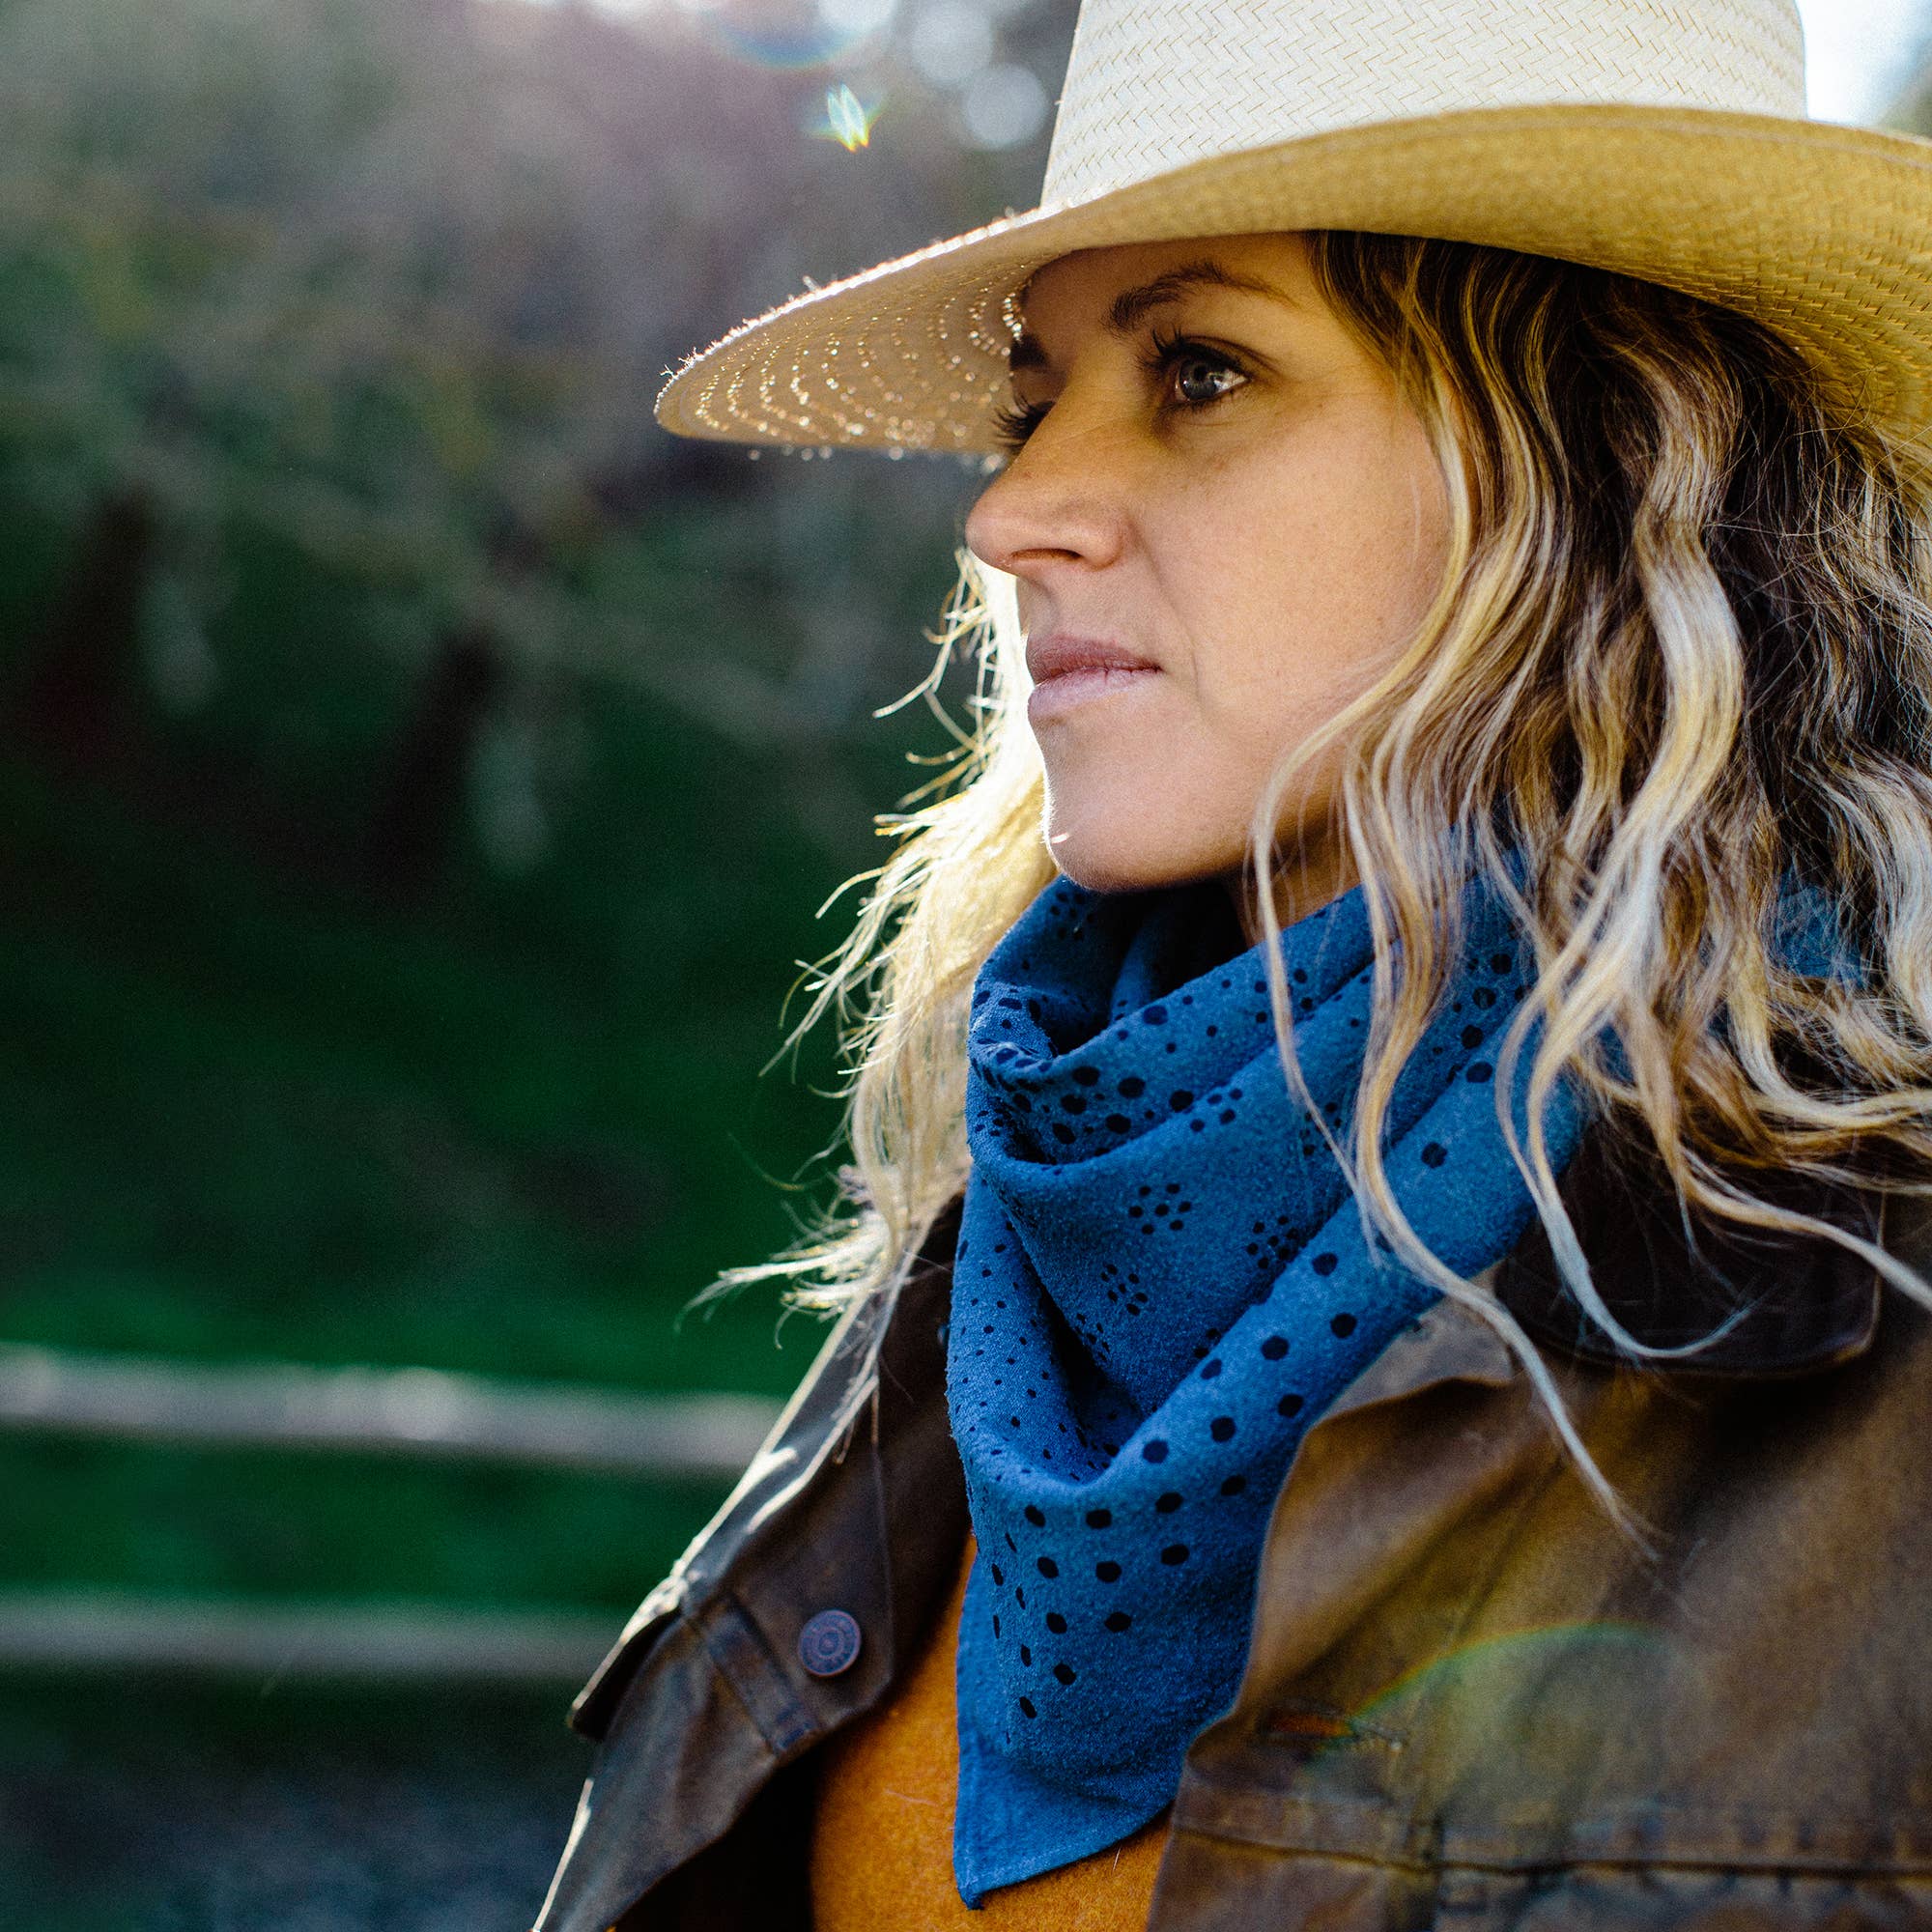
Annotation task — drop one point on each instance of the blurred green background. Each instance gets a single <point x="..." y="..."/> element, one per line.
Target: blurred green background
<point x="417" y="778"/>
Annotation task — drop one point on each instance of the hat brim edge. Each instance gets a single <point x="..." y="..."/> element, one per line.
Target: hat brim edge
<point x="1822" y="231"/>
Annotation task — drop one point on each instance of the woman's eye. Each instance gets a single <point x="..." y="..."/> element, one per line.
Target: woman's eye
<point x="1191" y="375"/>
<point x="1196" y="379"/>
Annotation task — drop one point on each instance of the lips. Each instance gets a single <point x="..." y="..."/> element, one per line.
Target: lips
<point x="1070" y="674"/>
<point x="1059" y="656"/>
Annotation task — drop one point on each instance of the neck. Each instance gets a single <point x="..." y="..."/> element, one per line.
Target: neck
<point x="1306" y="880"/>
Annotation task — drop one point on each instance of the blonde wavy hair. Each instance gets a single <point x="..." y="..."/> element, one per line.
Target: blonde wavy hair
<point x="1680" y="662"/>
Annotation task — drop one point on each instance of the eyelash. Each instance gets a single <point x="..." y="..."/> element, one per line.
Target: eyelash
<point x="1013" y="423"/>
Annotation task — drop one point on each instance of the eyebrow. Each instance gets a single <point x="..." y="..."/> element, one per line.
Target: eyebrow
<point x="1132" y="306"/>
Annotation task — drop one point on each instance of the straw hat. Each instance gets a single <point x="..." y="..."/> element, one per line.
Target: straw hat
<point x="1661" y="138"/>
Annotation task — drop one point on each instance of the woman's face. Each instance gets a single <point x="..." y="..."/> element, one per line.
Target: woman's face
<point x="1224" y="522"/>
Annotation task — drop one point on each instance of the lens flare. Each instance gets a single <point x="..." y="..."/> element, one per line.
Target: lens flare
<point x="849" y="120"/>
<point x="783" y="48"/>
<point x="1595" y="1663"/>
<point x="783" y="36"/>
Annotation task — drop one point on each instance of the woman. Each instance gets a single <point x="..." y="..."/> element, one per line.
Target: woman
<point x="1385" y="1349"/>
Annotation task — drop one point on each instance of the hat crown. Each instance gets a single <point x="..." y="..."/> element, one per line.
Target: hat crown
<point x="1152" y="84"/>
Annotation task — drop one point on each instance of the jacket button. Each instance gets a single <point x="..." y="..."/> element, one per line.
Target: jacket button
<point x="828" y="1643"/>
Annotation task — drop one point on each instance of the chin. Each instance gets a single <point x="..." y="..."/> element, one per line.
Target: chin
<point x="1120" y="847"/>
<point x="1107" y="875"/>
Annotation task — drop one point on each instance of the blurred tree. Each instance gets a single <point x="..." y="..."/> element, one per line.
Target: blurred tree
<point x="344" y="553"/>
<point x="396" y="284"/>
<point x="416" y="772"/>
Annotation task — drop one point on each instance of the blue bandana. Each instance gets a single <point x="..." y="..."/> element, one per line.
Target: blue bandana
<point x="1161" y="1280"/>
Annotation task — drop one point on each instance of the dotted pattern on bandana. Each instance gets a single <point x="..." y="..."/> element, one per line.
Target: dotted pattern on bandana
<point x="1161" y="1280"/>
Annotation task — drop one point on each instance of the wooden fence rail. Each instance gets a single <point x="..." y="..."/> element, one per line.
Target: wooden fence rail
<point x="298" y="1644"/>
<point x="428" y="1412"/>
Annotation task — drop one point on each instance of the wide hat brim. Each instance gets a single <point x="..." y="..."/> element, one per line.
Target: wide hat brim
<point x="1823" y="232"/>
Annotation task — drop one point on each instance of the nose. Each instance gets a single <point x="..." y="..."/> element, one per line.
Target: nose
<point x="1059" y="502"/>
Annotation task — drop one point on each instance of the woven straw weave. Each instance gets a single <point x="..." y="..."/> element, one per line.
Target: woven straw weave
<point x="1661" y="138"/>
<point x="1150" y="84"/>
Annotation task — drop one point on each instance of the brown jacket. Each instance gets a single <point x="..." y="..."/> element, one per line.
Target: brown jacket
<point x="1471" y="1701"/>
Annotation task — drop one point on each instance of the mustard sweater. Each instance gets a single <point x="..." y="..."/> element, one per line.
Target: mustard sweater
<point x="882" y="1840"/>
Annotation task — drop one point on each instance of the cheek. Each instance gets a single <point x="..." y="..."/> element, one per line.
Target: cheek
<point x="1282" y="582"/>
<point x="1332" y="561"/>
